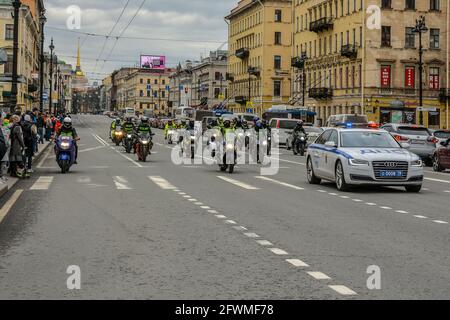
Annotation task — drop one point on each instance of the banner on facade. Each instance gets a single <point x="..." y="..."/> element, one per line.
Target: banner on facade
<point x="386" y="76"/>
<point x="410" y="77"/>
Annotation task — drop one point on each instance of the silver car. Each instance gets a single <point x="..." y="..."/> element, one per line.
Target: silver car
<point x="419" y="138"/>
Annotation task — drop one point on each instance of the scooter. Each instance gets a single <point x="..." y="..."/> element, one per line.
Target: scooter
<point x="65" y="153"/>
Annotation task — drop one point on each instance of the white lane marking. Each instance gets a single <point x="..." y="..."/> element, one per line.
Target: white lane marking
<point x="322" y="191"/>
<point x="230" y="222"/>
<point x="121" y="183"/>
<point x="43" y="183"/>
<point x="91" y="149"/>
<point x="386" y="208"/>
<point x="205" y="207"/>
<point x="447" y="191"/>
<point x="102" y="142"/>
<point x="297" y="263"/>
<point x="437" y="180"/>
<point x="371" y="204"/>
<point x="278" y="252"/>
<point x="213" y="211"/>
<point x="251" y="235"/>
<point x="162" y="183"/>
<point x="288" y="161"/>
<point x="279" y="182"/>
<point x="240" y="228"/>
<point x="220" y="216"/>
<point x="402" y="211"/>
<point x="332" y="194"/>
<point x="238" y="183"/>
<point x="198" y="203"/>
<point x="84" y="180"/>
<point x="318" y="275"/>
<point x="9" y="204"/>
<point x="264" y="243"/>
<point x="192" y="199"/>
<point x="440" y="221"/>
<point x="176" y="190"/>
<point x="181" y="193"/>
<point x="343" y="290"/>
<point x="420" y="217"/>
<point x="345" y="197"/>
<point x="357" y="200"/>
<point x="137" y="164"/>
<point x="41" y="163"/>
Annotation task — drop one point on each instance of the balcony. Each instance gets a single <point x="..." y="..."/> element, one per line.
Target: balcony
<point x="242" y="53"/>
<point x="229" y="77"/>
<point x="321" y="24"/>
<point x="254" y="71"/>
<point x="349" y="51"/>
<point x="443" y="95"/>
<point x="298" y="62"/>
<point x="240" y="99"/>
<point x="320" y="93"/>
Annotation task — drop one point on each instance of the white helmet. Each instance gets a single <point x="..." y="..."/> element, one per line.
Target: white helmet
<point x="67" y="122"/>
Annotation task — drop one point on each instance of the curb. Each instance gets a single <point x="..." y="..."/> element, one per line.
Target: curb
<point x="4" y="189"/>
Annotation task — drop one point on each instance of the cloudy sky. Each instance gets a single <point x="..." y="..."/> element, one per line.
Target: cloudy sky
<point x="198" y="20"/>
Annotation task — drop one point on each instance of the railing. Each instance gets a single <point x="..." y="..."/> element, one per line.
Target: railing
<point x="321" y="24"/>
<point x="349" y="51"/>
<point x="229" y="76"/>
<point x="240" y="99"/>
<point x="298" y="62"/>
<point x="242" y="53"/>
<point x="320" y="93"/>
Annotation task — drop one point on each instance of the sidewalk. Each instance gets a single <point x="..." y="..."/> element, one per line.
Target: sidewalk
<point x="4" y="187"/>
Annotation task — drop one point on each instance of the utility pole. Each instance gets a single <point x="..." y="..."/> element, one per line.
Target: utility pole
<point x="420" y="28"/>
<point x="16" y="5"/>
<point x="52" y="47"/>
<point x="42" y="20"/>
<point x="304" y="57"/>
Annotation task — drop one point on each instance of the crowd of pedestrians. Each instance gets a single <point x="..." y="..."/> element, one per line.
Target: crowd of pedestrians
<point x="20" y="136"/>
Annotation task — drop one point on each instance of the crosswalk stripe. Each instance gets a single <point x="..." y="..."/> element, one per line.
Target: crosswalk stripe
<point x="238" y="183"/>
<point x="279" y="182"/>
<point x="162" y="183"/>
<point x="43" y="183"/>
<point x="121" y="183"/>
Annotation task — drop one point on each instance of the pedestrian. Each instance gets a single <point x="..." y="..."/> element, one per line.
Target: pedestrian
<point x="48" y="127"/>
<point x="40" y="124"/>
<point x="5" y="132"/>
<point x="29" y="137"/>
<point x="17" y="146"/>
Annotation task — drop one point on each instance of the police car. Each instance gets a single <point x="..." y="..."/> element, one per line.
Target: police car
<point x="363" y="157"/>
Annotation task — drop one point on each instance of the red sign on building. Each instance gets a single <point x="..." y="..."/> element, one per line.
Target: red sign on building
<point x="386" y="76"/>
<point x="410" y="77"/>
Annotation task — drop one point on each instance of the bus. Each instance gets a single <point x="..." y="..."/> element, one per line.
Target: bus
<point x="303" y="114"/>
<point x="129" y="112"/>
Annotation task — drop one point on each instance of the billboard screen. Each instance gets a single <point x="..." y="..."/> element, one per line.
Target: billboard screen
<point x="153" y="62"/>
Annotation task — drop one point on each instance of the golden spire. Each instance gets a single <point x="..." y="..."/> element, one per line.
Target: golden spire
<point x="78" y="69"/>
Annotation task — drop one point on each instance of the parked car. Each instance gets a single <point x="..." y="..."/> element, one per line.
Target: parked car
<point x="441" y="157"/>
<point x="419" y="138"/>
<point x="441" y="136"/>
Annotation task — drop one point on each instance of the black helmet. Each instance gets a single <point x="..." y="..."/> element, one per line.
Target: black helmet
<point x="144" y="120"/>
<point x="300" y="123"/>
<point x="227" y="123"/>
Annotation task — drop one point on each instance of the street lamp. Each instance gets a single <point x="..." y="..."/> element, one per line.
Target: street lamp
<point x="16" y="4"/>
<point x="52" y="47"/>
<point x="42" y="20"/>
<point x="420" y="28"/>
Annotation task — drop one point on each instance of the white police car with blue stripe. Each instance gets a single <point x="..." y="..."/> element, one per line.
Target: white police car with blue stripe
<point x="363" y="157"/>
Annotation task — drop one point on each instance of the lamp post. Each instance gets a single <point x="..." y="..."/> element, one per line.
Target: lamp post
<point x="16" y="4"/>
<point x="304" y="57"/>
<point x="420" y="28"/>
<point x="42" y="20"/>
<point x="52" y="47"/>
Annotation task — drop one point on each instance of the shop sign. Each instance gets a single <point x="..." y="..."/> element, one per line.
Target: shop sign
<point x="386" y="76"/>
<point x="410" y="77"/>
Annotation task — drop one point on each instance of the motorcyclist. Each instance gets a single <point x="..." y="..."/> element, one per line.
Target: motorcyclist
<point x="128" y="126"/>
<point x="143" y="128"/>
<point x="67" y="130"/>
<point x="183" y="124"/>
<point x="115" y="125"/>
<point x="168" y="126"/>
<point x="299" y="128"/>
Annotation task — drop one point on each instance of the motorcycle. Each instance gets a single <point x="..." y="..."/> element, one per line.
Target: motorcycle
<point x="128" y="142"/>
<point x="228" y="148"/>
<point x="171" y="136"/>
<point x="299" y="143"/>
<point x="118" y="136"/>
<point x="212" y="142"/>
<point x="143" y="147"/>
<point x="188" y="143"/>
<point x="65" y="153"/>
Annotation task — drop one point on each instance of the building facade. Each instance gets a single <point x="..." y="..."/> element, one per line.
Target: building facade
<point x="259" y="42"/>
<point x="348" y="61"/>
<point x="28" y="54"/>
<point x="181" y="86"/>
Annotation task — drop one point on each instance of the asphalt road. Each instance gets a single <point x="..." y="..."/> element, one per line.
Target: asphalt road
<point x="156" y="230"/>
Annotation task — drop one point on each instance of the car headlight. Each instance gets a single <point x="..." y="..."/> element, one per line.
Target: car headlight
<point x="358" y="162"/>
<point x="417" y="163"/>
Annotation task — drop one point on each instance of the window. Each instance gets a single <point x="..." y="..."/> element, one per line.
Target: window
<point x="277" y="62"/>
<point x="434" y="78"/>
<point x="410" y="4"/>
<point x="434" y="118"/>
<point x="410" y="38"/>
<point x="9" y="32"/>
<point x="386" y="4"/>
<point x="218" y="76"/>
<point x="278" y="38"/>
<point x="385" y="36"/>
<point x="277" y="88"/>
<point x="9" y="65"/>
<point x="434" y="38"/>
<point x="156" y="81"/>
<point x="277" y="15"/>
<point x="216" y="93"/>
<point x="142" y="81"/>
<point x="434" y="5"/>
<point x="141" y="93"/>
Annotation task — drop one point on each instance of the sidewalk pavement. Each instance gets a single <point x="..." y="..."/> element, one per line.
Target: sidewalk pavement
<point x="5" y="187"/>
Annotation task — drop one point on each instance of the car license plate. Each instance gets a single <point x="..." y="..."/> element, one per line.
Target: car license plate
<point x="391" y="174"/>
<point x="418" y="142"/>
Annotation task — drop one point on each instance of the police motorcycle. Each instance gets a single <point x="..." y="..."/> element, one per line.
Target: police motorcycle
<point x="143" y="146"/>
<point x="299" y="143"/>
<point x="229" y="157"/>
<point x="117" y="135"/>
<point x="65" y="153"/>
<point x="128" y="142"/>
<point x="172" y="135"/>
<point x="214" y="137"/>
<point x="186" y="140"/>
